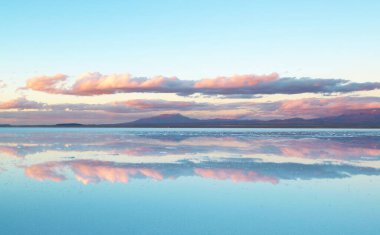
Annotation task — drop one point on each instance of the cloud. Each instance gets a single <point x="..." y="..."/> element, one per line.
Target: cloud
<point x="49" y="84"/>
<point x="21" y="104"/>
<point x="96" y="83"/>
<point x="90" y="84"/>
<point x="135" y="106"/>
<point x="237" y="81"/>
<point x="314" y="107"/>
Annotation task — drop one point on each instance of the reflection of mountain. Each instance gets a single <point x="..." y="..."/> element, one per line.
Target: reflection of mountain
<point x="238" y="155"/>
<point x="328" y="144"/>
<point x="242" y="170"/>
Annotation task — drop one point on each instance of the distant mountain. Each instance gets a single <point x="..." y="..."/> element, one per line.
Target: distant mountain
<point x="68" y="125"/>
<point x="357" y="119"/>
<point x="165" y="119"/>
<point x="354" y="119"/>
<point x="360" y="118"/>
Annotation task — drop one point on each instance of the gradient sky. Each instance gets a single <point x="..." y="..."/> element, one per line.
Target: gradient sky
<point x="241" y="47"/>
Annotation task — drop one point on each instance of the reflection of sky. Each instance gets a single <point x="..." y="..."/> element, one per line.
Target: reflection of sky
<point x="118" y="155"/>
<point x="189" y="182"/>
<point x="87" y="171"/>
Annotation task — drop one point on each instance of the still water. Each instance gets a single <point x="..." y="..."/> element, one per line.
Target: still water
<point x="189" y="181"/>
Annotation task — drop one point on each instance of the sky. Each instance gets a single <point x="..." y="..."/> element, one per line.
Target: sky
<point x="117" y="61"/>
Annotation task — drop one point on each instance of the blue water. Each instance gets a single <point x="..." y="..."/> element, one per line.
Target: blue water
<point x="189" y="181"/>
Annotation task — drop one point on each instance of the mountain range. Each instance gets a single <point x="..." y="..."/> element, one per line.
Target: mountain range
<point x="356" y="119"/>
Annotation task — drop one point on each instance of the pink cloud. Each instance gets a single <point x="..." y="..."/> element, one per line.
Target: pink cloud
<point x="90" y="84"/>
<point x="237" y="81"/>
<point x="313" y="107"/>
<point x="21" y="103"/>
<point x="159" y="104"/>
<point x="96" y="83"/>
<point x="244" y="86"/>
<point x="49" y="84"/>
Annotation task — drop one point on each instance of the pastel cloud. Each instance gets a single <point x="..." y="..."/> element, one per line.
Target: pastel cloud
<point x="244" y="85"/>
<point x="49" y="84"/>
<point x="97" y="83"/>
<point x="313" y="107"/>
<point x="135" y="106"/>
<point x="237" y="81"/>
<point x="128" y="106"/>
<point x="21" y="104"/>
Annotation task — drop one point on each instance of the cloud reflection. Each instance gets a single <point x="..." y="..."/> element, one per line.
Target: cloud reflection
<point x="234" y="175"/>
<point x="242" y="170"/>
<point x="250" y="156"/>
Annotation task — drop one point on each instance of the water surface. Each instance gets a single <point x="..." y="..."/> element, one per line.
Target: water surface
<point x="189" y="181"/>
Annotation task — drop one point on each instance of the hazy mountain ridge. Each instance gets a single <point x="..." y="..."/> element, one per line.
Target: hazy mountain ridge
<point x="368" y="119"/>
<point x="355" y="119"/>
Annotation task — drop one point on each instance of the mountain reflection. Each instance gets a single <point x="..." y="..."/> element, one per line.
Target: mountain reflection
<point x="300" y="145"/>
<point x="267" y="156"/>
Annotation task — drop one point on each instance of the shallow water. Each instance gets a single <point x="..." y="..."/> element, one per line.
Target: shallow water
<point x="189" y="181"/>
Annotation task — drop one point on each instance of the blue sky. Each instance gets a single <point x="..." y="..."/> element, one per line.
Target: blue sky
<point x="191" y="39"/>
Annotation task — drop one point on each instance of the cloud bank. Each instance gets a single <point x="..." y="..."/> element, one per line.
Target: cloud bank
<point x="21" y="104"/>
<point x="90" y="84"/>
